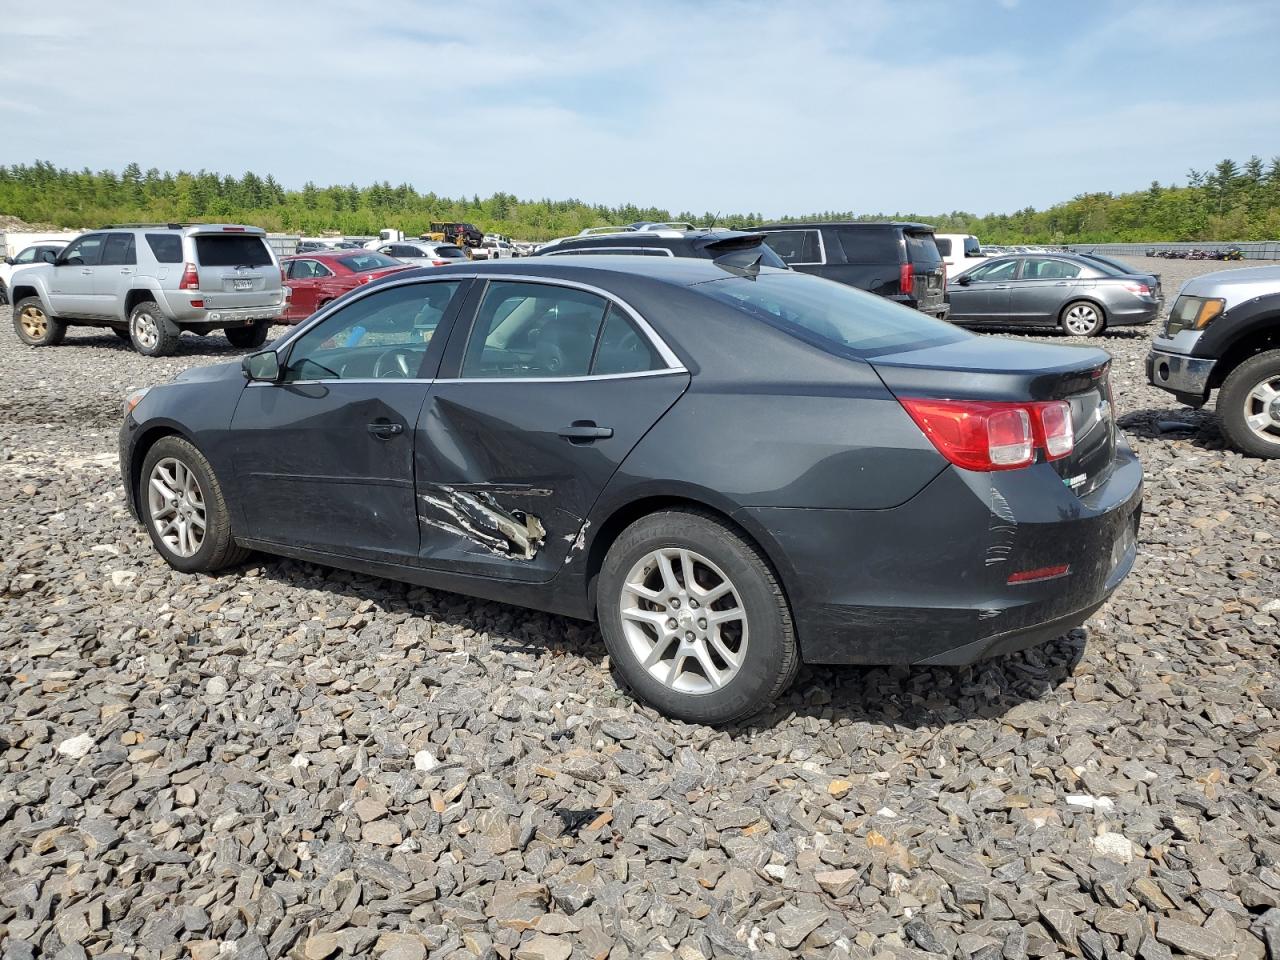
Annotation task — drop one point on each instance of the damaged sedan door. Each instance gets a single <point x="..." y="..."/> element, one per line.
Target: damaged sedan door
<point x="540" y="399"/>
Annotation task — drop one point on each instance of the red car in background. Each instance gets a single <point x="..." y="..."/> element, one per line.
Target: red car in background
<point x="316" y="278"/>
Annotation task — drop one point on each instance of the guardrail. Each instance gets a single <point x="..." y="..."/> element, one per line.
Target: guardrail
<point x="1249" y="249"/>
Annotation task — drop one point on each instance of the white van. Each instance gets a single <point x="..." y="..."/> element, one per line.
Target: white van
<point x="960" y="251"/>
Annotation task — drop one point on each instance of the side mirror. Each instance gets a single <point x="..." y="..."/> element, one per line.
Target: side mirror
<point x="263" y="366"/>
<point x="9" y="261"/>
<point x="964" y="281"/>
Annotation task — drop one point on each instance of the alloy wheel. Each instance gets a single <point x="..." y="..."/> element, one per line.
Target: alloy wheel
<point x="1262" y="410"/>
<point x="145" y="330"/>
<point x="1081" y="320"/>
<point x="684" y="620"/>
<point x="34" y="322"/>
<point x="176" y="504"/>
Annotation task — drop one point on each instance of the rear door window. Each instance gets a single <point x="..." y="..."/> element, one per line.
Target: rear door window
<point x="232" y="250"/>
<point x="796" y="246"/>
<point x="1039" y="268"/>
<point x="870" y="244"/>
<point x="119" y="251"/>
<point x="534" y="330"/>
<point x="165" y="247"/>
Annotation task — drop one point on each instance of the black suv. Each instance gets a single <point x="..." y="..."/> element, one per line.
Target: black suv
<point x="729" y="247"/>
<point x="899" y="261"/>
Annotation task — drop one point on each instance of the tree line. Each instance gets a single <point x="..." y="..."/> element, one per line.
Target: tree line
<point x="1230" y="201"/>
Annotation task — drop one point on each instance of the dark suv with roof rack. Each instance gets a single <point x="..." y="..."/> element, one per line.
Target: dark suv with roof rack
<point x="899" y="261"/>
<point x="727" y="247"/>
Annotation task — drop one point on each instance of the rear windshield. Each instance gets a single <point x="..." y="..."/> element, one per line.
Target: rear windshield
<point x="449" y="250"/>
<point x="364" y="262"/>
<point x="923" y="250"/>
<point x="232" y="250"/>
<point x="167" y="247"/>
<point x="837" y="318"/>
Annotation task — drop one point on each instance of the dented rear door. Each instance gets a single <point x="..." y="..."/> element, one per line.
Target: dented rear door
<point x="502" y="491"/>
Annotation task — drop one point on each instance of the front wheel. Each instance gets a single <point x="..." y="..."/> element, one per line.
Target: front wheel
<point x="184" y="509"/>
<point x="34" y="326"/>
<point x="1082" y="319"/>
<point x="694" y="619"/>
<point x="254" y="335"/>
<point x="1249" y="405"/>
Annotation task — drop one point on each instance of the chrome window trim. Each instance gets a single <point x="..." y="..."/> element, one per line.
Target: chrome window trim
<point x="674" y="364"/>
<point x="589" y="250"/>
<point x="666" y="372"/>
<point x="822" y="244"/>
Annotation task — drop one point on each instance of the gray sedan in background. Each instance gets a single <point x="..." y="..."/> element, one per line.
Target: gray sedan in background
<point x="1079" y="296"/>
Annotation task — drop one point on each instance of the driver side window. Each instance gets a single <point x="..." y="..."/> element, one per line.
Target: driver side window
<point x="1000" y="270"/>
<point x="382" y="336"/>
<point x="85" y="252"/>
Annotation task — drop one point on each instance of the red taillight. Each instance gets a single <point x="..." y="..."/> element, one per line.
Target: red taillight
<point x="439" y="263"/>
<point x="283" y="278"/>
<point x="991" y="435"/>
<point x="190" y="278"/>
<point x="1041" y="573"/>
<point x="1141" y="289"/>
<point x="907" y="279"/>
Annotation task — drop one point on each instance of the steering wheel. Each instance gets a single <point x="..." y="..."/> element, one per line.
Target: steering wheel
<point x="396" y="362"/>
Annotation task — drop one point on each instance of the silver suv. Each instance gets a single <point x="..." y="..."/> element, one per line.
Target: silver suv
<point x="148" y="283"/>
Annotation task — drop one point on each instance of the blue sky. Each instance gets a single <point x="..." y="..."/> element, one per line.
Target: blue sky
<point x="722" y="105"/>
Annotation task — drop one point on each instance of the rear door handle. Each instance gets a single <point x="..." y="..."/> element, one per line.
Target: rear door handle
<point x="385" y="429"/>
<point x="585" y="431"/>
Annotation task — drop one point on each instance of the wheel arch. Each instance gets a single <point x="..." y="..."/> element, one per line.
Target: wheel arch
<point x="22" y="291"/>
<point x="621" y="516"/>
<point x="139" y="295"/>
<point x="149" y="436"/>
<point x="1248" y="344"/>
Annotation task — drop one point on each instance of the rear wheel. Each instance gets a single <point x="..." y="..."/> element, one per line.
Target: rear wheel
<point x="1081" y="318"/>
<point x="695" y="621"/>
<point x="34" y="327"/>
<point x="151" y="332"/>
<point x="251" y="336"/>
<point x="184" y="509"/>
<point x="1249" y="405"/>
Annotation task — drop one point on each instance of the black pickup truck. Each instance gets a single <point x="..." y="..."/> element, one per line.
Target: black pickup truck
<point x="1223" y="334"/>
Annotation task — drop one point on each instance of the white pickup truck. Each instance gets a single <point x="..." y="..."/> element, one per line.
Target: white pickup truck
<point x="959" y="251"/>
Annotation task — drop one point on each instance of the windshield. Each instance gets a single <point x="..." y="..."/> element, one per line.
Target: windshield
<point x="840" y="319"/>
<point x="364" y="262"/>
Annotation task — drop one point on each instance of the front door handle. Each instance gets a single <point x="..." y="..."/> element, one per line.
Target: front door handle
<point x="585" y="431"/>
<point x="385" y="429"/>
<point x="1001" y="286"/>
<point x="87" y="271"/>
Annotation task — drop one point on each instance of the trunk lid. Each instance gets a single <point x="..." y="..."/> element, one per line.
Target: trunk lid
<point x="989" y="368"/>
<point x="236" y="269"/>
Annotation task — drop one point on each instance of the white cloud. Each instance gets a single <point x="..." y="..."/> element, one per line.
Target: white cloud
<point x="724" y="106"/>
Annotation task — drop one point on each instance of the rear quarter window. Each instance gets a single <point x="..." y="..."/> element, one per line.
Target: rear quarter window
<point x="870" y="244"/>
<point x="232" y="250"/>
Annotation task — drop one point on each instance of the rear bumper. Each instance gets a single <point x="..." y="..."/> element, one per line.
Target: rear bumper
<point x="1137" y="314"/>
<point x="1187" y="378"/>
<point x="927" y="581"/>
<point x="215" y="317"/>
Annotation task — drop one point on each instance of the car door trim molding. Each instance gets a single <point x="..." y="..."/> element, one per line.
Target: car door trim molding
<point x="669" y="357"/>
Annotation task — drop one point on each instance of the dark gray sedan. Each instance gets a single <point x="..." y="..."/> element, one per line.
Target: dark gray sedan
<point x="1080" y="297"/>
<point x="731" y="469"/>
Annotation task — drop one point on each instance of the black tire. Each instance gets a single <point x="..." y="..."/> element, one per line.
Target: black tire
<point x="151" y="332"/>
<point x="1067" y="316"/>
<point x="251" y="336"/>
<point x="34" y="326"/>
<point x="1235" y="405"/>
<point x="771" y="656"/>
<point x="217" y="548"/>
<point x="122" y="334"/>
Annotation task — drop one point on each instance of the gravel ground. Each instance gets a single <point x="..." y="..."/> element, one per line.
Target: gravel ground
<point x="292" y="760"/>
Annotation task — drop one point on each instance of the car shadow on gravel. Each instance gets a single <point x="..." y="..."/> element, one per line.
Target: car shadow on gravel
<point x="896" y="696"/>
<point x="1200" y="428"/>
